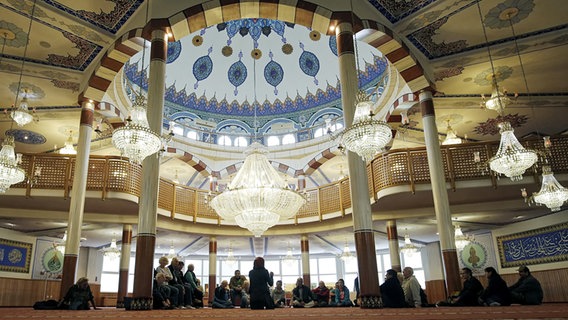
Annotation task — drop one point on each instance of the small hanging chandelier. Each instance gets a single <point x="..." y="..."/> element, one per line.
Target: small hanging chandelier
<point x="461" y="240"/>
<point x="68" y="148"/>
<point x="112" y="251"/>
<point x="258" y="197"/>
<point x="512" y="159"/>
<point x="346" y="255"/>
<point x="451" y="135"/>
<point x="289" y="259"/>
<point x="409" y="248"/>
<point x="22" y="115"/>
<point x="366" y="136"/>
<point x="136" y="140"/>
<point x="499" y="99"/>
<point x="10" y="173"/>
<point x="230" y="260"/>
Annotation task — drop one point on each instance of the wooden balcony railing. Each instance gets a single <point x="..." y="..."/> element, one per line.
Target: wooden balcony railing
<point x="395" y="168"/>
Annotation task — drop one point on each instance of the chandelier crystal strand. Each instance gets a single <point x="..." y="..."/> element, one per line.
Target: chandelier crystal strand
<point x="258" y="197"/>
<point x="451" y="136"/>
<point x="461" y="240"/>
<point x="409" y="248"/>
<point x="111" y="251"/>
<point x="10" y="173"/>
<point x="512" y="159"/>
<point x="366" y="136"/>
<point x="552" y="194"/>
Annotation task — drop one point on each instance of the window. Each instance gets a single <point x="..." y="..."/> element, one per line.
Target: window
<point x="272" y="141"/>
<point x="241" y="142"/>
<point x="224" y="141"/>
<point x="178" y="131"/>
<point x="318" y="133"/>
<point x="288" y="139"/>
<point x="110" y="274"/>
<point x="192" y="135"/>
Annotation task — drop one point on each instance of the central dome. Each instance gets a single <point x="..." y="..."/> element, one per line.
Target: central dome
<point x="229" y="74"/>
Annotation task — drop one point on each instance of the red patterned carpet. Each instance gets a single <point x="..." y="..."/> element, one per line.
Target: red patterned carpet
<point x="548" y="311"/>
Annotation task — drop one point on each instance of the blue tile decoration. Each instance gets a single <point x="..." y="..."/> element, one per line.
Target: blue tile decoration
<point x="333" y="44"/>
<point x="309" y="63"/>
<point x="237" y="73"/>
<point x="542" y="245"/>
<point x="253" y="28"/>
<point x="174" y="50"/>
<point x="26" y="136"/>
<point x="16" y="256"/>
<point x="395" y="11"/>
<point x="202" y="67"/>
<point x="273" y="73"/>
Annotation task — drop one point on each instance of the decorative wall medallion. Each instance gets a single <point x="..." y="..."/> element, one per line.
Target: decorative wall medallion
<point x="202" y="67"/>
<point x="15" y="36"/>
<point x="309" y="63"/>
<point x="514" y="10"/>
<point x="501" y="73"/>
<point x="474" y="256"/>
<point x="490" y="127"/>
<point x="273" y="73"/>
<point x="197" y="40"/>
<point x="333" y="44"/>
<point x="32" y="91"/>
<point x="52" y="260"/>
<point x="26" y="136"/>
<point x="174" y="50"/>
<point x="227" y="51"/>
<point x="256" y="54"/>
<point x="287" y="48"/>
<point x="315" y="35"/>
<point x="237" y="73"/>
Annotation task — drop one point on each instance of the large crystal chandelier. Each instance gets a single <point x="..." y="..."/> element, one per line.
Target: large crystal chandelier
<point x="22" y="114"/>
<point x="10" y="173"/>
<point x="366" y="136"/>
<point x="552" y="194"/>
<point x="409" y="248"/>
<point x="451" y="135"/>
<point x="512" y="159"/>
<point x="112" y="251"/>
<point x="136" y="140"/>
<point x="258" y="197"/>
<point x="68" y="148"/>
<point x="460" y="239"/>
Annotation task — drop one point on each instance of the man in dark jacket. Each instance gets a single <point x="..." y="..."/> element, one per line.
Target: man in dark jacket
<point x="468" y="296"/>
<point x="302" y="295"/>
<point x="391" y="291"/>
<point x="527" y="290"/>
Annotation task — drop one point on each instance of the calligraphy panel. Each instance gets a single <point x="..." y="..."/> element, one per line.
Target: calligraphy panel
<point x="544" y="245"/>
<point x="15" y="256"/>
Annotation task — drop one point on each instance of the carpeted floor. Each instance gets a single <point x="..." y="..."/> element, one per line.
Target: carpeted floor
<point x="549" y="311"/>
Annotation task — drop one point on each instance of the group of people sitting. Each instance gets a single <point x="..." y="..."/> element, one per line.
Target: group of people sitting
<point x="175" y="290"/>
<point x="527" y="290"/>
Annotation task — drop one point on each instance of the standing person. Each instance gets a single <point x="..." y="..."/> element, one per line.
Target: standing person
<point x="260" y="281"/>
<point x="302" y="295"/>
<point x="496" y="293"/>
<point x="278" y="295"/>
<point x="411" y="288"/>
<point x="341" y="295"/>
<point x="527" y="290"/>
<point x="391" y="291"/>
<point x="79" y="295"/>
<point x="322" y="295"/>
<point x="469" y="295"/>
<point x="236" y="285"/>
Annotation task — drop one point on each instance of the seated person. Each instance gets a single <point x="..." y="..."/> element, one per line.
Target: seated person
<point x="177" y="295"/>
<point x="391" y="291"/>
<point x="341" y="295"/>
<point x="322" y="295"/>
<point x="236" y="285"/>
<point x="302" y="295"/>
<point x="78" y="296"/>
<point x="161" y="293"/>
<point x="190" y="278"/>
<point x="198" y="295"/>
<point x="527" y="290"/>
<point x="496" y="293"/>
<point x="468" y="296"/>
<point x="411" y="288"/>
<point x="278" y="295"/>
<point x="222" y="298"/>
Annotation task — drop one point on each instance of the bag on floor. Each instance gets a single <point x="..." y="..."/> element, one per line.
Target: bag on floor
<point x="46" y="305"/>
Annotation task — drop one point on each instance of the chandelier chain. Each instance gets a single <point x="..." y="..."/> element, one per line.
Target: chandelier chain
<point x="25" y="53"/>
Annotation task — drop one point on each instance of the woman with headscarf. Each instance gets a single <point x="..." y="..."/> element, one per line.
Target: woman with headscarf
<point x="260" y="281"/>
<point x="79" y="295"/>
<point x="497" y="292"/>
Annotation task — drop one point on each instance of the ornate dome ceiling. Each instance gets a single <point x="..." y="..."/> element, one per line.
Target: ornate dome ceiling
<point x="217" y="73"/>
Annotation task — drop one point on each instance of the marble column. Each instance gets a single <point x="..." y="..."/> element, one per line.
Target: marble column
<point x="212" y="269"/>
<point x="77" y="205"/>
<point x="440" y="193"/>
<point x="125" y="250"/>
<point x="148" y="204"/>
<point x="394" y="250"/>
<point x="362" y="219"/>
<point x="305" y="254"/>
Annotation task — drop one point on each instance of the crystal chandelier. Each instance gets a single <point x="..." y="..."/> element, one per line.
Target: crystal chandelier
<point x="258" y="197"/>
<point x="289" y="259"/>
<point x="10" y="173"/>
<point x="230" y="260"/>
<point x="172" y="251"/>
<point x="136" y="140"/>
<point x="366" y="136"/>
<point x="409" y="248"/>
<point x="461" y="240"/>
<point x="499" y="99"/>
<point x="112" y="251"/>
<point x="451" y="135"/>
<point x="22" y="115"/>
<point x="68" y="148"/>
<point x="512" y="159"/>
<point x="346" y="255"/>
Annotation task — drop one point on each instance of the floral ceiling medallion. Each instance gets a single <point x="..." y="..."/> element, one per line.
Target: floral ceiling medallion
<point x="498" y="17"/>
<point x="490" y="127"/>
